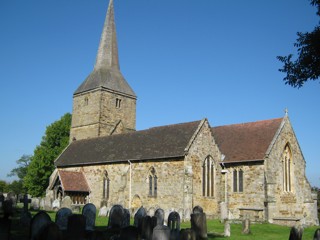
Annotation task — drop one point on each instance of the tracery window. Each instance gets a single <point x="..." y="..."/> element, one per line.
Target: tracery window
<point x="287" y="169"/>
<point x="153" y="182"/>
<point x="237" y="180"/>
<point x="106" y="186"/>
<point x="208" y="177"/>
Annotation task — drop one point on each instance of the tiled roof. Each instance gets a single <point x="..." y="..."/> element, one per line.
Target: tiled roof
<point x="246" y="141"/>
<point x="155" y="143"/>
<point x="73" y="181"/>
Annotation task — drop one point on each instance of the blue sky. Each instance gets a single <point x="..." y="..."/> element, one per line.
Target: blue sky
<point x="185" y="59"/>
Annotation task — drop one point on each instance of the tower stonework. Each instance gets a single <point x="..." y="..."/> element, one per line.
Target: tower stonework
<point x="104" y="104"/>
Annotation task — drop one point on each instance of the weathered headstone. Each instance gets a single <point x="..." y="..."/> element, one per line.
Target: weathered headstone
<point x="187" y="215"/>
<point x="161" y="232"/>
<point x="129" y="233"/>
<point x="227" y="229"/>
<point x="13" y="197"/>
<point x="103" y="211"/>
<point x="48" y="203"/>
<point x="50" y="231"/>
<point x="76" y="227"/>
<point x="35" y="204"/>
<point x="246" y="226"/>
<point x="116" y="217"/>
<point x="56" y="204"/>
<point x="151" y="211"/>
<point x="199" y="224"/>
<point x="89" y="211"/>
<point x="66" y="202"/>
<point x="62" y="218"/>
<point x="146" y="228"/>
<point x="197" y="209"/>
<point x="5" y="226"/>
<point x="316" y="235"/>
<point x="25" y="200"/>
<point x="40" y="220"/>
<point x="174" y="225"/>
<point x="223" y="211"/>
<point x="138" y="217"/>
<point x="159" y="214"/>
<point x="296" y="233"/>
<point x="187" y="234"/>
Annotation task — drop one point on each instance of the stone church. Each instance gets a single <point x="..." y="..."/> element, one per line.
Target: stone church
<point x="254" y="170"/>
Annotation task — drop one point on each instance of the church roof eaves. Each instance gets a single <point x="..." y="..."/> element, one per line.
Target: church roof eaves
<point x="165" y="142"/>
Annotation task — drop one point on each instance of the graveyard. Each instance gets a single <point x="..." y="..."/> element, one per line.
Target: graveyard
<point x="20" y="219"/>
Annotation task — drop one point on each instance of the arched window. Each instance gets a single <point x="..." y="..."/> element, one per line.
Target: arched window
<point x="86" y="101"/>
<point x="208" y="177"/>
<point x="153" y="182"/>
<point x="237" y="180"/>
<point x="287" y="169"/>
<point x="106" y="186"/>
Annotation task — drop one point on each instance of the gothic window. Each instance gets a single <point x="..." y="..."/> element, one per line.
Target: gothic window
<point x="106" y="186"/>
<point x="237" y="180"/>
<point x="118" y="103"/>
<point x="86" y="101"/>
<point x="153" y="182"/>
<point x="287" y="169"/>
<point x="208" y="177"/>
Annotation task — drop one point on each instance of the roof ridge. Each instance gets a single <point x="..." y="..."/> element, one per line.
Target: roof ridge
<point x="245" y="123"/>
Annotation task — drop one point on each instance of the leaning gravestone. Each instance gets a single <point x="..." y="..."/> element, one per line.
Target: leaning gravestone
<point x="159" y="214"/>
<point x="40" y="220"/>
<point x="296" y="233"/>
<point x="116" y="217"/>
<point x="316" y="235"/>
<point x="62" y="218"/>
<point x="66" y="202"/>
<point x="174" y="225"/>
<point x="89" y="211"/>
<point x="138" y="217"/>
<point x="199" y="223"/>
<point x="161" y="232"/>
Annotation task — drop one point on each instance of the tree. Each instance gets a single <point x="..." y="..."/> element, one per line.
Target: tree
<point x="3" y="186"/>
<point x="21" y="170"/>
<point x="306" y="66"/>
<point x="54" y="141"/>
<point x="16" y="186"/>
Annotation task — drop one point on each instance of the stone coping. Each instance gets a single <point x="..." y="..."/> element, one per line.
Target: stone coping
<point x="253" y="209"/>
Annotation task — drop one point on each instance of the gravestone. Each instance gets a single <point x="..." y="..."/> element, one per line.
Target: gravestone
<point x="42" y="201"/>
<point x="76" y="227"/>
<point x="56" y="204"/>
<point x="89" y="211"/>
<point x="25" y="200"/>
<point x="138" y="218"/>
<point x="13" y="197"/>
<point x="50" y="231"/>
<point x="5" y="226"/>
<point x="316" y="235"/>
<point x="62" y="218"/>
<point x="126" y="218"/>
<point x="159" y="214"/>
<point x="199" y="224"/>
<point x="146" y="228"/>
<point x="151" y="211"/>
<point x="187" y="214"/>
<point x="103" y="212"/>
<point x="161" y="232"/>
<point x="174" y="225"/>
<point x="35" y="204"/>
<point x="129" y="233"/>
<point x="48" y="203"/>
<point x="296" y="233"/>
<point x="223" y="211"/>
<point x="25" y="219"/>
<point x="227" y="230"/>
<point x="116" y="216"/>
<point x="197" y="209"/>
<point x="246" y="226"/>
<point x="7" y="208"/>
<point x="187" y="234"/>
<point x="1" y="200"/>
<point x="40" y="220"/>
<point x="66" y="202"/>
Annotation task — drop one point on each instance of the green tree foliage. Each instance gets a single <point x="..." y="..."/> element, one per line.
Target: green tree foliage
<point x="3" y="186"/>
<point x="16" y="186"/>
<point x="21" y="170"/>
<point x="54" y="141"/>
<point x="306" y="66"/>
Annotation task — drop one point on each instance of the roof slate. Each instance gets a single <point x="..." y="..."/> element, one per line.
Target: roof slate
<point x="246" y="141"/>
<point x="73" y="181"/>
<point x="154" y="143"/>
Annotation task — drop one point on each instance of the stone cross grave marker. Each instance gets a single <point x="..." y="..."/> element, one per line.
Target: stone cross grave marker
<point x="161" y="232"/>
<point x="116" y="216"/>
<point x="89" y="211"/>
<point x="174" y="225"/>
<point x="159" y="214"/>
<point x="25" y="200"/>
<point x="40" y="220"/>
<point x="62" y="218"/>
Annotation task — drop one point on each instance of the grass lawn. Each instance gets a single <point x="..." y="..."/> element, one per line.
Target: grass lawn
<point x="263" y="231"/>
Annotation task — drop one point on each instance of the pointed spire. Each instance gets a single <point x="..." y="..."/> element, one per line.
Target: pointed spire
<point x="107" y="56"/>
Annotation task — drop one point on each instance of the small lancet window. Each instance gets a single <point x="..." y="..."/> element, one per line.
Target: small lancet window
<point x="118" y="103"/>
<point x="153" y="182"/>
<point x="208" y="177"/>
<point x="86" y="101"/>
<point x="287" y="169"/>
<point x="237" y="180"/>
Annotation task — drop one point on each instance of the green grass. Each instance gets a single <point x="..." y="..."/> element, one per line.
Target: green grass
<point x="215" y="229"/>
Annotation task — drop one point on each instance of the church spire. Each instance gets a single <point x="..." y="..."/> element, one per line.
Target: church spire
<point x="107" y="56"/>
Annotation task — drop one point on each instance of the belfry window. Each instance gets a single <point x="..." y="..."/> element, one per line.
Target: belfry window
<point x="208" y="177"/>
<point x="118" y="103"/>
<point x="287" y="169"/>
<point x="237" y="180"/>
<point x="106" y="186"/>
<point x="153" y="182"/>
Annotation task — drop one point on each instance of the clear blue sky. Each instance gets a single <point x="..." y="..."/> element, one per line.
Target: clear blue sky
<point x="185" y="59"/>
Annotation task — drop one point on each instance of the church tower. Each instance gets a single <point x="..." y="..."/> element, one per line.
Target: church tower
<point x="104" y="104"/>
